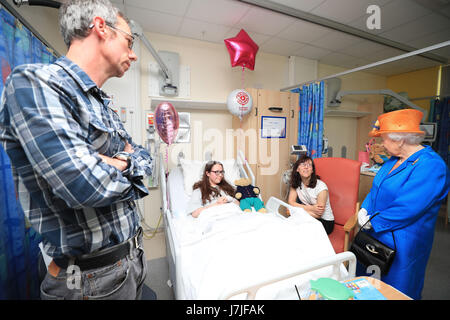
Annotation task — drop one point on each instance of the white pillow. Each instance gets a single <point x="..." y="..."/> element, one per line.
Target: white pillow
<point x="192" y="172"/>
<point x="231" y="171"/>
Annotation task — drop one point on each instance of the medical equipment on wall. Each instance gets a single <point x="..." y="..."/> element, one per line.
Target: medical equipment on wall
<point x="298" y="151"/>
<point x="324" y="145"/>
<point x="152" y="144"/>
<point x="430" y="129"/>
<point x="184" y="129"/>
<point x="167" y="61"/>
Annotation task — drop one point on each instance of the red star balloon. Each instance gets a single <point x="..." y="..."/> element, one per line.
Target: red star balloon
<point x="242" y="50"/>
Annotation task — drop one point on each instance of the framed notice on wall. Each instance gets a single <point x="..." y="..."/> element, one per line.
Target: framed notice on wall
<point x="273" y="127"/>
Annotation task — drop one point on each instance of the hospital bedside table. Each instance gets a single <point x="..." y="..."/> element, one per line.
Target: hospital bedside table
<point x="386" y="290"/>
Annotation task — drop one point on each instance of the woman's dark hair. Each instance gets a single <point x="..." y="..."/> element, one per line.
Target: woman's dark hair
<point x="296" y="180"/>
<point x="205" y="187"/>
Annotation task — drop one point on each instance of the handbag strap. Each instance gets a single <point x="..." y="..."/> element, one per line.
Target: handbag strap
<point x="373" y="216"/>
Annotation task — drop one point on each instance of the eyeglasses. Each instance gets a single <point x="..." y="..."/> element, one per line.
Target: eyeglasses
<point x="217" y="172"/>
<point x="305" y="165"/>
<point x="130" y="41"/>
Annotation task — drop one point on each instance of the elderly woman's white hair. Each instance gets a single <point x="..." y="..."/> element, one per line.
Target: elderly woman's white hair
<point x="407" y="137"/>
<point x="75" y="16"/>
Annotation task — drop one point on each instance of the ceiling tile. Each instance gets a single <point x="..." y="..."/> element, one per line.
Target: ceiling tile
<point x="264" y="21"/>
<point x="404" y="21"/>
<point x="385" y="53"/>
<point x="303" y="31"/>
<point x="343" y="11"/>
<point x="258" y="38"/>
<point x="312" y="52"/>
<point x="424" y="25"/>
<point x="430" y="39"/>
<point x="444" y="52"/>
<point x="280" y="46"/>
<point x="202" y="30"/>
<point x="155" y="21"/>
<point x="304" y="5"/>
<point x="336" y="59"/>
<point x="354" y="63"/>
<point x="399" y="12"/>
<point x="335" y="40"/>
<point x="223" y="12"/>
<point x="393" y="14"/>
<point x="417" y="62"/>
<point x="173" y="7"/>
<point x="362" y="48"/>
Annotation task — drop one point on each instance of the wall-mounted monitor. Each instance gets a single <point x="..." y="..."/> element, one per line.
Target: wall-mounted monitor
<point x="430" y="129"/>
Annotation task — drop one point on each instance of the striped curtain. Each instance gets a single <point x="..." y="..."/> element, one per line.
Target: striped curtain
<point x="311" y="118"/>
<point x="19" y="250"/>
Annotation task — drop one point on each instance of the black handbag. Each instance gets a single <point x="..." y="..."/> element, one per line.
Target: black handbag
<point x="369" y="251"/>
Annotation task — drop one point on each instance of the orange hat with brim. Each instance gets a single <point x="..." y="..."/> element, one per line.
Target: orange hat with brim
<point x="405" y="120"/>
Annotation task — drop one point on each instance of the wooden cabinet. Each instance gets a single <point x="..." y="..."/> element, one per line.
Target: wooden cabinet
<point x="268" y="156"/>
<point x="365" y="184"/>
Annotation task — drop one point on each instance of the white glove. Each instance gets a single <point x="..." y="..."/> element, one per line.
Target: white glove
<point x="363" y="217"/>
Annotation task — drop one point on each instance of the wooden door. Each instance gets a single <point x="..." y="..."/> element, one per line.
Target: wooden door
<point x="294" y="109"/>
<point x="273" y="152"/>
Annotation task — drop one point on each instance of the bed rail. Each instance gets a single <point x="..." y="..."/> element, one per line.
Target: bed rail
<point x="163" y="179"/>
<point x="245" y="167"/>
<point x="335" y="261"/>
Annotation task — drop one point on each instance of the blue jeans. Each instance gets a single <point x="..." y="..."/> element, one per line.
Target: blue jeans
<point x="121" y="281"/>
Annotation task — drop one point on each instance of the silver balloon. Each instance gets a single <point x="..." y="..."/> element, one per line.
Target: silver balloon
<point x="239" y="102"/>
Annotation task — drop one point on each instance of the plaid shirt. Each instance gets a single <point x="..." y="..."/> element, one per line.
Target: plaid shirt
<point x="54" y="123"/>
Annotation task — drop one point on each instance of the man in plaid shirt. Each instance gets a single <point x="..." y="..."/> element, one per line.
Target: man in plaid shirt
<point x="77" y="171"/>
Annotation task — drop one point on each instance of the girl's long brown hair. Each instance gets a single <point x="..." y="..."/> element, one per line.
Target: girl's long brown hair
<point x="205" y="187"/>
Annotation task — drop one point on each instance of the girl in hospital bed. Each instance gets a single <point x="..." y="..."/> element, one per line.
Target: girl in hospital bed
<point x="312" y="192"/>
<point x="211" y="190"/>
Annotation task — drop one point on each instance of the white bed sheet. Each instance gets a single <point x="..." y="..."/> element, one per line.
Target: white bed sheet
<point x="226" y="248"/>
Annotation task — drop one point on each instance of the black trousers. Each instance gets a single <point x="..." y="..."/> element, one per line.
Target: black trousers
<point x="328" y="225"/>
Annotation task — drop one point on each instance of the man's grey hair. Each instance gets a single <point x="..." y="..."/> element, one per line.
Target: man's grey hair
<point x="408" y="137"/>
<point x="75" y="16"/>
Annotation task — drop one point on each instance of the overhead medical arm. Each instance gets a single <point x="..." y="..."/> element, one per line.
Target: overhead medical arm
<point x="385" y="92"/>
<point x="45" y="3"/>
<point x="137" y="31"/>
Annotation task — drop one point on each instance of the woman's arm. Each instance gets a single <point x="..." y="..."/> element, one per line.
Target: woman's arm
<point x="292" y="199"/>
<point x="322" y="198"/>
<point x="221" y="200"/>
<point x="313" y="210"/>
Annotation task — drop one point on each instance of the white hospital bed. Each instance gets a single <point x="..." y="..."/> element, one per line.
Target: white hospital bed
<point x="227" y="254"/>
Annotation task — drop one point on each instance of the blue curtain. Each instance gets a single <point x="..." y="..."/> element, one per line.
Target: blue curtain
<point x="440" y="113"/>
<point x="310" y="126"/>
<point x="19" y="250"/>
